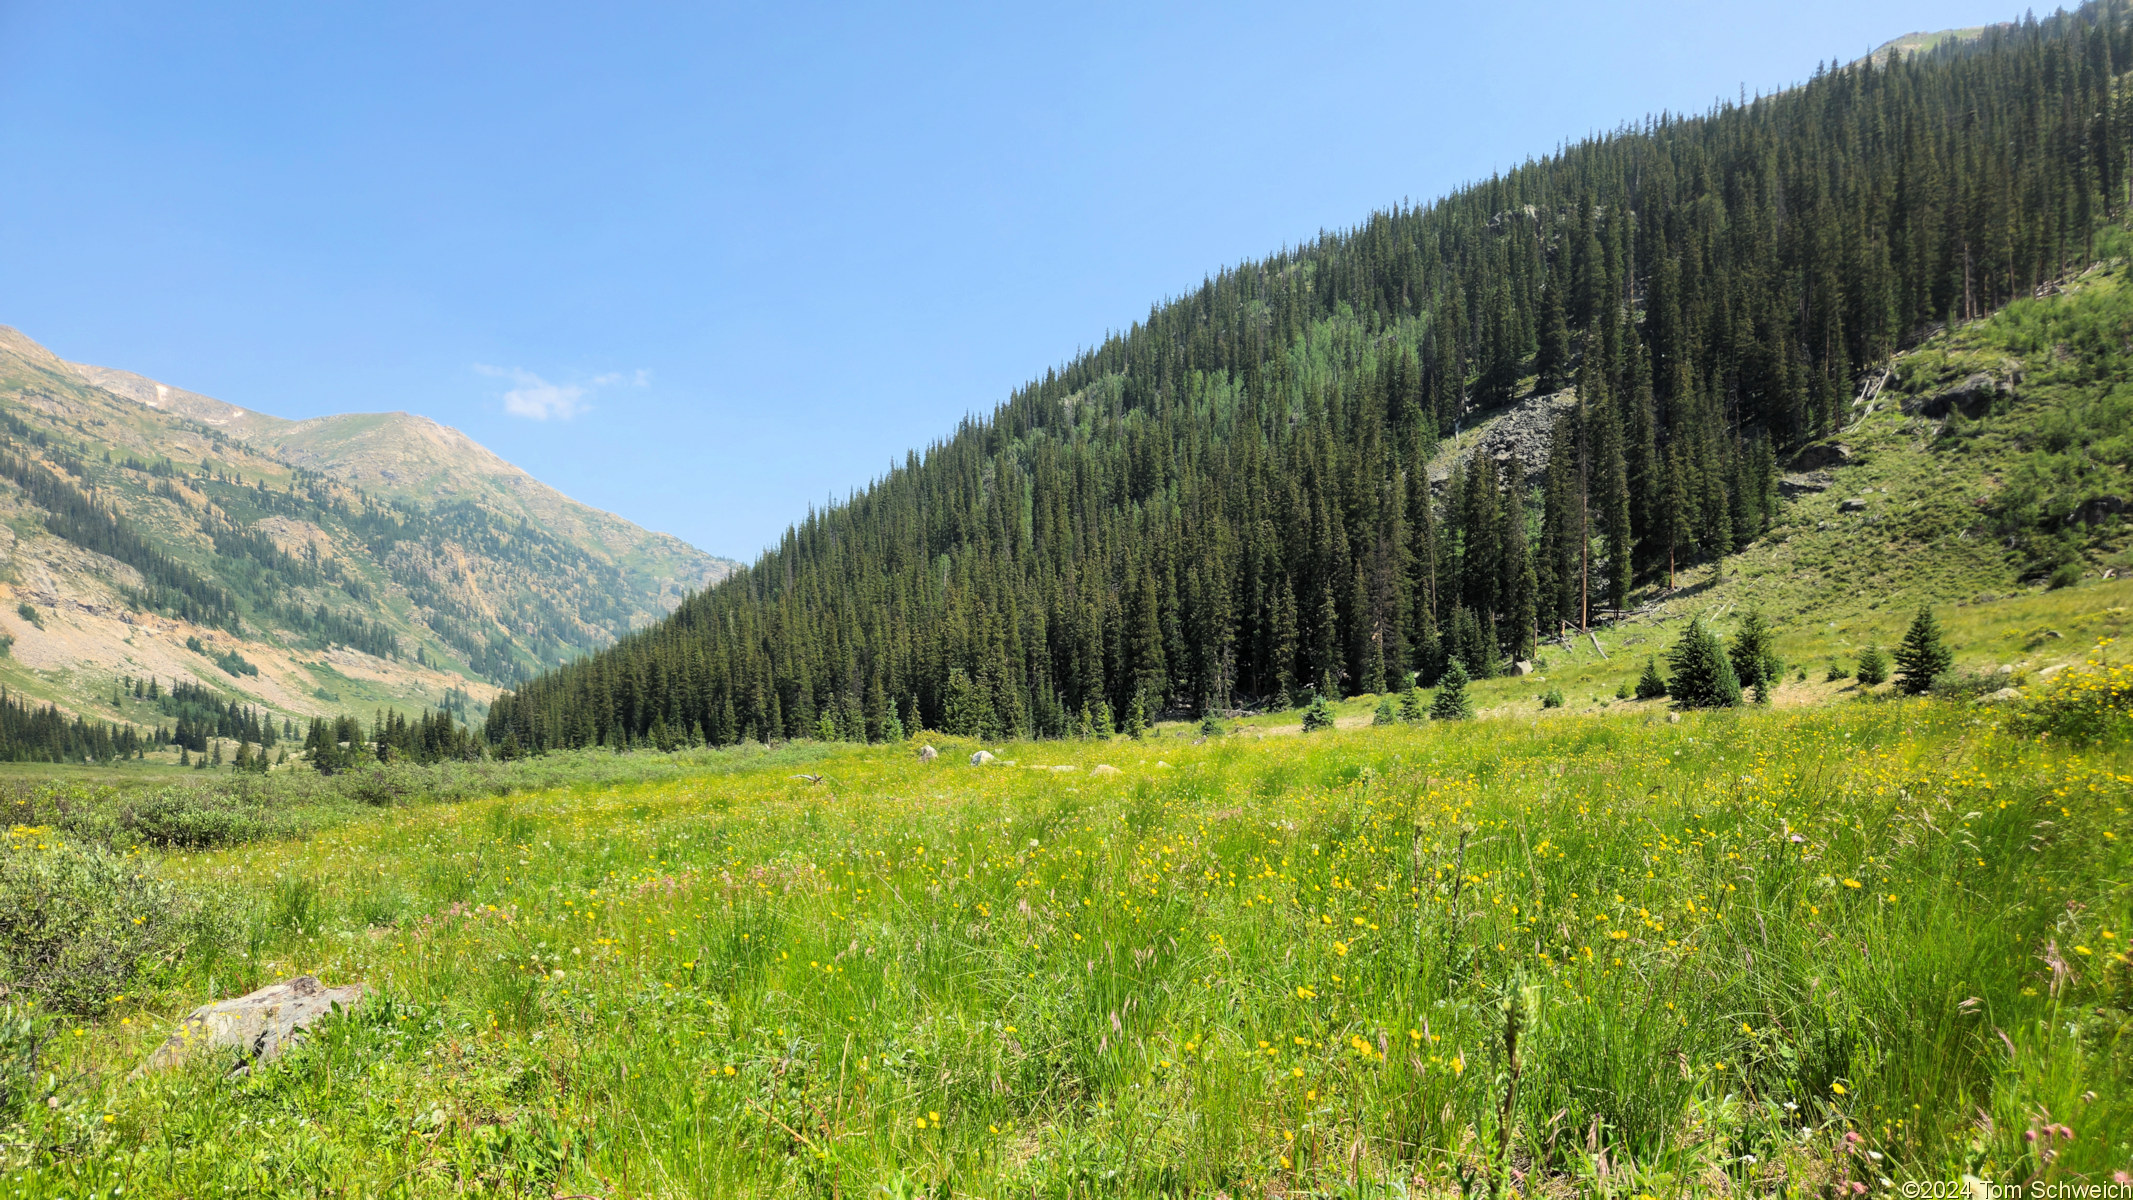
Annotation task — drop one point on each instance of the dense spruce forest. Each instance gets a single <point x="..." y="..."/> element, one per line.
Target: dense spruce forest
<point x="1228" y="503"/>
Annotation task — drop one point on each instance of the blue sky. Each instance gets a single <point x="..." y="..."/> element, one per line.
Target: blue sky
<point x="706" y="265"/>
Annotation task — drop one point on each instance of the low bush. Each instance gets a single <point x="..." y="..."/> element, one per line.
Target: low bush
<point x="79" y="923"/>
<point x="24" y="1034"/>
<point x="2088" y="703"/>
<point x="1966" y="685"/>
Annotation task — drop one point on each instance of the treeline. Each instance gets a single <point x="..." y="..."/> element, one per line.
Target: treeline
<point x="202" y="714"/>
<point x="31" y="734"/>
<point x="340" y="743"/>
<point x="1232" y="500"/>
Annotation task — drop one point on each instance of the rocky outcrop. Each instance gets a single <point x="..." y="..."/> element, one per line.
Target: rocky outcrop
<point x="256" y="1027"/>
<point x="1973" y="397"/>
<point x="1515" y="436"/>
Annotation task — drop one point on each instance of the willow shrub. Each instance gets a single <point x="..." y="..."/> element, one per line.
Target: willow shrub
<point x="78" y="923"/>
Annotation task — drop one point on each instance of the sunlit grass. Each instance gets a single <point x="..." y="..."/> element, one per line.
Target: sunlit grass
<point x="1243" y="965"/>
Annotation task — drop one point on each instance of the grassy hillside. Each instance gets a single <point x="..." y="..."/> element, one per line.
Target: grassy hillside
<point x="351" y="561"/>
<point x="1742" y="954"/>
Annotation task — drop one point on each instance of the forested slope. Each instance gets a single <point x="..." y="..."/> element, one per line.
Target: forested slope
<point x="1227" y="502"/>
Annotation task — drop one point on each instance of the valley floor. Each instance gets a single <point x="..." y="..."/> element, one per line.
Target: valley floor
<point x="1747" y="952"/>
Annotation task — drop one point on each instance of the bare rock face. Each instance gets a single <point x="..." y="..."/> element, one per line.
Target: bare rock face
<point x="256" y="1027"/>
<point x="927" y="754"/>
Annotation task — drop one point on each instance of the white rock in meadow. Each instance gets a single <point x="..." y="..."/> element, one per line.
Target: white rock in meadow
<point x="256" y="1027"/>
<point x="981" y="758"/>
<point x="927" y="754"/>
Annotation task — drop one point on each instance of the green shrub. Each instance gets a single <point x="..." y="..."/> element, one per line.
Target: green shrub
<point x="1384" y="714"/>
<point x="2089" y="703"/>
<point x="78" y="923"/>
<point x="2065" y="575"/>
<point x="1552" y="698"/>
<point x="28" y="612"/>
<point x="24" y="1034"/>
<point x="1836" y="672"/>
<point x="189" y="819"/>
<point x="1967" y="685"/>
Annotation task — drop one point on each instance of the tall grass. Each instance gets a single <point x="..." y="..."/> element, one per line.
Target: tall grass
<point x="1743" y="953"/>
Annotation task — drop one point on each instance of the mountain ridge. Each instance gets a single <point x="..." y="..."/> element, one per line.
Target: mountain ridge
<point x="360" y="559"/>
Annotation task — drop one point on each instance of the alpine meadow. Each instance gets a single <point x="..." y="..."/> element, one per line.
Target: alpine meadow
<point x="1607" y="683"/>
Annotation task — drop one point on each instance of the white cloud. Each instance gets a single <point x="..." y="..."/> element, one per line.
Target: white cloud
<point x="537" y="399"/>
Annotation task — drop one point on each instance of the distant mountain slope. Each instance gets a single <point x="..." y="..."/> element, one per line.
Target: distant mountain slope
<point x="352" y="560"/>
<point x="1913" y="43"/>
<point x="401" y="456"/>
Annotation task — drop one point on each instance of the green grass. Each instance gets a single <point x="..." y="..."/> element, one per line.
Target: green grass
<point x="1244" y="966"/>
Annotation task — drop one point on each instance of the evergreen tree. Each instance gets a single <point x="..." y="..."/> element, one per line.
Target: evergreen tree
<point x="1923" y="657"/>
<point x="1411" y="708"/>
<point x="1318" y="714"/>
<point x="1136" y="717"/>
<point x="1552" y="363"/>
<point x="1451" y="703"/>
<point x="1873" y="666"/>
<point x="1384" y="715"/>
<point x="1651" y="685"/>
<point x="1702" y="674"/>
<point x="1754" y="656"/>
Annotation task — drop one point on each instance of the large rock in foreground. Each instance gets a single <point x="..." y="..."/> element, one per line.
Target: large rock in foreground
<point x="256" y="1027"/>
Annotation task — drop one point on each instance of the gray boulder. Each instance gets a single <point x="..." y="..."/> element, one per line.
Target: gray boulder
<point x="255" y="1027"/>
<point x="927" y="754"/>
<point x="1821" y="456"/>
<point x="1972" y="397"/>
<point x="1852" y="505"/>
<point x="981" y="758"/>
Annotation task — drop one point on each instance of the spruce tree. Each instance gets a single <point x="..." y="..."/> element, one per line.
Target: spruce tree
<point x="1318" y="714"/>
<point x="1651" y="685"/>
<point x="1923" y="657"/>
<point x="1411" y="708"/>
<point x="1754" y="657"/>
<point x="1452" y="703"/>
<point x="1703" y="676"/>
<point x="1552" y="363"/>
<point x="1384" y="714"/>
<point x="1873" y="666"/>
